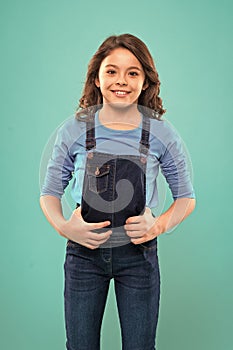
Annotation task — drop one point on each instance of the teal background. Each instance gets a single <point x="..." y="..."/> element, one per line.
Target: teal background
<point x="45" y="49"/>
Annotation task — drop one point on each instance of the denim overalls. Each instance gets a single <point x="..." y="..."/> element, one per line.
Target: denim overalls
<point x="134" y="268"/>
<point x="114" y="186"/>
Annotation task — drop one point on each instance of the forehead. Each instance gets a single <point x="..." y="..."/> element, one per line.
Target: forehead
<point x="121" y="57"/>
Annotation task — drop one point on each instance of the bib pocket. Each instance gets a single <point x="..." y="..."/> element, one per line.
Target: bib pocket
<point x="98" y="178"/>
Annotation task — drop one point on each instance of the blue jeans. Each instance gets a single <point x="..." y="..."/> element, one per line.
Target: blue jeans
<point x="135" y="271"/>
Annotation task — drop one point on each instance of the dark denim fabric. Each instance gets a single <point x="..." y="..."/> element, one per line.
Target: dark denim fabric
<point x="113" y="189"/>
<point x="135" y="271"/>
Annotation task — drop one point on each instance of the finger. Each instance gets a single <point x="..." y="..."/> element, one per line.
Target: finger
<point x="134" y="234"/>
<point x="133" y="219"/>
<point x="91" y="246"/>
<point x="133" y="227"/>
<point x="99" y="236"/>
<point x="138" y="240"/>
<point x="97" y="243"/>
<point x="97" y="225"/>
<point x="78" y="213"/>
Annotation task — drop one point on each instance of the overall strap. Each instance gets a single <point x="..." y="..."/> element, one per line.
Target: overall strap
<point x="144" y="142"/>
<point x="90" y="133"/>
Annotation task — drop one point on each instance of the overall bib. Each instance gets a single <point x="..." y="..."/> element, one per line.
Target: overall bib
<point x="114" y="186"/>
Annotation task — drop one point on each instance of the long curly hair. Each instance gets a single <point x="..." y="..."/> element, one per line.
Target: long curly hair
<point x="148" y="100"/>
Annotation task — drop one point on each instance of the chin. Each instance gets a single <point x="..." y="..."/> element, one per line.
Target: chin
<point x="121" y="105"/>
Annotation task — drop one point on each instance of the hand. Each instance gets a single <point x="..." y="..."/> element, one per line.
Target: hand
<point x="80" y="231"/>
<point x="143" y="228"/>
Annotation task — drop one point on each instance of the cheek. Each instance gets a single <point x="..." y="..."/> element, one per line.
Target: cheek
<point x="140" y="87"/>
<point x="106" y="82"/>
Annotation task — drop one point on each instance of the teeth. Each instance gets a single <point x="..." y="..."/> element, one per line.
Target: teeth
<point x="120" y="92"/>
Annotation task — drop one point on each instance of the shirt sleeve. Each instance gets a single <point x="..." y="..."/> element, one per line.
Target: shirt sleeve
<point x="175" y="165"/>
<point x="60" y="166"/>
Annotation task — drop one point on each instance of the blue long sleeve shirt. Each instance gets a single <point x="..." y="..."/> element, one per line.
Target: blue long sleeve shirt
<point x="166" y="153"/>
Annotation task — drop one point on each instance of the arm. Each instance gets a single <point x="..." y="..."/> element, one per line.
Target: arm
<point x="58" y="175"/>
<point x="174" y="167"/>
<point x="75" y="228"/>
<point x="180" y="209"/>
<point x="52" y="209"/>
<point x="145" y="227"/>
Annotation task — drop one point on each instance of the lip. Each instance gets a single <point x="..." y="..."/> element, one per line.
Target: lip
<point x="120" y="93"/>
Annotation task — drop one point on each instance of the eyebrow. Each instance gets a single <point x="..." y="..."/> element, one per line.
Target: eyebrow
<point x="115" y="66"/>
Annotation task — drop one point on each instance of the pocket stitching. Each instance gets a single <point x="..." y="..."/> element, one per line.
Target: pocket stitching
<point x="94" y="179"/>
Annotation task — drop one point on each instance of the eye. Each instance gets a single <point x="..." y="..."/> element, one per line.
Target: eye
<point x="111" y="71"/>
<point x="133" y="74"/>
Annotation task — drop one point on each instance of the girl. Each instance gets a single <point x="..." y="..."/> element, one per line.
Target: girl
<point x="114" y="147"/>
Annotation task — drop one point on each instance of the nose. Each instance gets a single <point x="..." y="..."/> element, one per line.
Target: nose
<point x="121" y="81"/>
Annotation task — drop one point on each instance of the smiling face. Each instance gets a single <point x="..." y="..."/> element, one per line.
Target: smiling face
<point x="121" y="77"/>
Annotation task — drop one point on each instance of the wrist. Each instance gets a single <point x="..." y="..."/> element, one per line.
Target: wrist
<point x="160" y="225"/>
<point x="61" y="227"/>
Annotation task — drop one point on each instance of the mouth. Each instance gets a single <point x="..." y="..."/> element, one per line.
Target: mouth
<point x="120" y="93"/>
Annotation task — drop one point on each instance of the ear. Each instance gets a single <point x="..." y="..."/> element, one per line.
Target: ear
<point x="145" y="85"/>
<point x="97" y="83"/>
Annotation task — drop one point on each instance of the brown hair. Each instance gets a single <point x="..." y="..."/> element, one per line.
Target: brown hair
<point x="148" y="98"/>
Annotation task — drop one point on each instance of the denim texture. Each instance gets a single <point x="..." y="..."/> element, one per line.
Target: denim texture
<point x="114" y="190"/>
<point x="135" y="271"/>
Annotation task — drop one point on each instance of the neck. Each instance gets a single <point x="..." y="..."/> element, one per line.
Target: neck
<point x="118" y="117"/>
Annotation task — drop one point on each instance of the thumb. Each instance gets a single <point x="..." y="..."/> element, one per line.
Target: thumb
<point x="77" y="212"/>
<point x="148" y="210"/>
